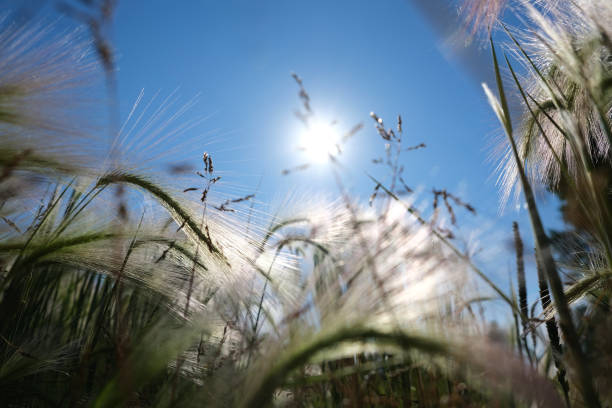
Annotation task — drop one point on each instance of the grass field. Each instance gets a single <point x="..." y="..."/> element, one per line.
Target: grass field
<point x="125" y="285"/>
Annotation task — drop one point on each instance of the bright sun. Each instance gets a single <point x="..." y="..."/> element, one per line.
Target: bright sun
<point x="319" y="141"/>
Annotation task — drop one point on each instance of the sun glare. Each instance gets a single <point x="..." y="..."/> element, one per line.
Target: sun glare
<point x="319" y="141"/>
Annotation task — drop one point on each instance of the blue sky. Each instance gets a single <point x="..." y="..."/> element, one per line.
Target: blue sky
<point x="354" y="56"/>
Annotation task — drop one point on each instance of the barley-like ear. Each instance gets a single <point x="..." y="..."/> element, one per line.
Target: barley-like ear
<point x="45" y="74"/>
<point x="167" y="201"/>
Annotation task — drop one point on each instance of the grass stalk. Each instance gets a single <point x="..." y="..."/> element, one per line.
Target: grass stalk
<point x="522" y="287"/>
<point x="553" y="335"/>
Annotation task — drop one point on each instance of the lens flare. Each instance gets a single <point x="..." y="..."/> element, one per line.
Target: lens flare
<point x="319" y="142"/>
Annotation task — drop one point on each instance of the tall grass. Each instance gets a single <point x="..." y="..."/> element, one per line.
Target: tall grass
<point x="200" y="299"/>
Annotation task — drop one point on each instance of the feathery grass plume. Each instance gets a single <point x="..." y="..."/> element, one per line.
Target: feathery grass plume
<point x="420" y="280"/>
<point x="62" y="254"/>
<point x="482" y="14"/>
<point x="567" y="87"/>
<point x="62" y="263"/>
<point x="336" y="289"/>
<point x="43" y="109"/>
<point x="445" y="240"/>
<point x="156" y="133"/>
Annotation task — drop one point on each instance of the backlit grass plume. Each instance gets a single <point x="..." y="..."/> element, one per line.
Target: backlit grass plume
<point x="85" y="276"/>
<point x="564" y="144"/>
<point x="482" y="14"/>
<point x="565" y="93"/>
<point x="43" y="71"/>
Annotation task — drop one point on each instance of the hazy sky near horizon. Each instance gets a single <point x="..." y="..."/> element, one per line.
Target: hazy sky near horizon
<point x="235" y="59"/>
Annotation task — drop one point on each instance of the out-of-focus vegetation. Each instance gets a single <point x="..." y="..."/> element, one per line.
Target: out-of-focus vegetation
<point x="126" y="286"/>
